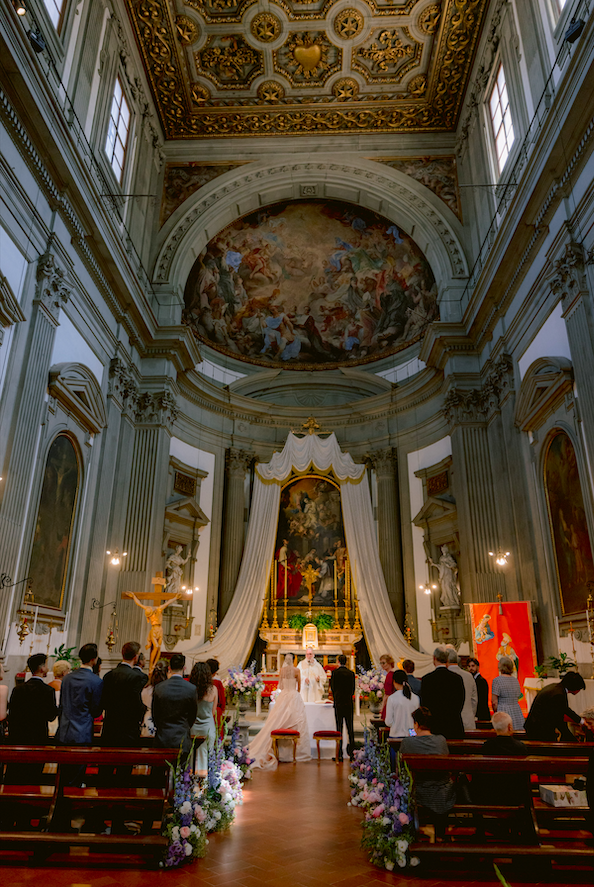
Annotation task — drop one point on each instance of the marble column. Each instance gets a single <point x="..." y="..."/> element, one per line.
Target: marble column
<point x="570" y="284"/>
<point x="237" y="463"/>
<point x="52" y="290"/>
<point x="389" y="534"/>
<point x="467" y="411"/>
<point x="154" y="413"/>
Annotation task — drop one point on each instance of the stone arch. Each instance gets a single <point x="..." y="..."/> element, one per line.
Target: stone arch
<point x="421" y="214"/>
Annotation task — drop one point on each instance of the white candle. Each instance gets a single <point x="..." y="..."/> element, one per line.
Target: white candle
<point x="263" y="661"/>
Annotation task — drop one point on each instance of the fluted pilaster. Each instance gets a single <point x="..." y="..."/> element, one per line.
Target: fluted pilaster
<point x="237" y="463"/>
<point x="389" y="538"/>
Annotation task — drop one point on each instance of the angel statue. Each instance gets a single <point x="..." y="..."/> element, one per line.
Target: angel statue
<point x="154" y="617"/>
<point x="174" y="570"/>
<point x="448" y="580"/>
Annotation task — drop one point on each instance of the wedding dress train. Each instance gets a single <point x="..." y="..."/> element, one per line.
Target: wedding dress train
<point x="287" y="713"/>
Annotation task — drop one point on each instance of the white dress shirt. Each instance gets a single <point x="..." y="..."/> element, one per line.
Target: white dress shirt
<point x="399" y="711"/>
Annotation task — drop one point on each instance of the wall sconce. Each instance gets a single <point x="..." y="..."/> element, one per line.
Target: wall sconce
<point x="187" y="590"/>
<point x="115" y="557"/>
<point x="500" y="557"/>
<point x="427" y="588"/>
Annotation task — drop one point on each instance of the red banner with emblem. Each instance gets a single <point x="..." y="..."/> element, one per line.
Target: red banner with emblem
<point x="504" y="629"/>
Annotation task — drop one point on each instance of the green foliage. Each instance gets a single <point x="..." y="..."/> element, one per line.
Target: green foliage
<point x="503" y="880"/>
<point x="298" y="622"/>
<point x="323" y="621"/>
<point x="562" y="663"/>
<point x="65" y="654"/>
<point x="540" y="671"/>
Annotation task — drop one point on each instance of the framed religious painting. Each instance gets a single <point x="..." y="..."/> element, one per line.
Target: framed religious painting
<point x="567" y="523"/>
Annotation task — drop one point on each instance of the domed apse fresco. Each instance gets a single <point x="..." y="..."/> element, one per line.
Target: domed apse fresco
<point x="314" y="284"/>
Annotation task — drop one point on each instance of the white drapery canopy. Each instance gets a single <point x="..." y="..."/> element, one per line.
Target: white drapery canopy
<point x="235" y="637"/>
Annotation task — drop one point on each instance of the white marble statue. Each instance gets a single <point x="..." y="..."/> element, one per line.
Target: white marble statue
<point x="448" y="580"/>
<point x="174" y="571"/>
<point x="313" y="677"/>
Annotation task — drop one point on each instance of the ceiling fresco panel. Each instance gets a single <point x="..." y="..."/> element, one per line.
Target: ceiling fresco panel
<point x="228" y="68"/>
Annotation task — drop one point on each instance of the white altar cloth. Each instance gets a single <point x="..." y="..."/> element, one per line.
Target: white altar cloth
<point x="320" y="716"/>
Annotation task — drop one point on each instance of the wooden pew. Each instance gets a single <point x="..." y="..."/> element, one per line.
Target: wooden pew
<point x="55" y="805"/>
<point x="534" y="747"/>
<point x="533" y="813"/>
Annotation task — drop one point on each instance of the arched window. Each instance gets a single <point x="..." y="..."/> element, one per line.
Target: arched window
<point x="567" y="520"/>
<point x="53" y="530"/>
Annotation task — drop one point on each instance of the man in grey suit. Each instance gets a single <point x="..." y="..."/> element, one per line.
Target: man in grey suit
<point x="174" y="707"/>
<point x="470" y="691"/>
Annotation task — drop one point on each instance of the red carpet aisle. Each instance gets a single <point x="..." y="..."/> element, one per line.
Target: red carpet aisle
<point x="294" y="830"/>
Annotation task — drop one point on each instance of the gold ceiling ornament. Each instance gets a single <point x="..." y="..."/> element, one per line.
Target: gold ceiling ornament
<point x="348" y="23"/>
<point x="200" y="94"/>
<point x="445" y="58"/>
<point x="271" y="91"/>
<point x="387" y="53"/>
<point x="345" y="88"/>
<point x="265" y="27"/>
<point x="417" y="86"/>
<point x="187" y="30"/>
<point x="308" y="58"/>
<point x="429" y="19"/>
<point x="229" y="61"/>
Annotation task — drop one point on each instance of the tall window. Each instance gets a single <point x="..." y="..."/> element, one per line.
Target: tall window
<point x="119" y="130"/>
<point x="503" y="131"/>
<point x="55" y="9"/>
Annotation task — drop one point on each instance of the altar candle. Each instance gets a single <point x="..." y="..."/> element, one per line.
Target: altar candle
<point x="263" y="661"/>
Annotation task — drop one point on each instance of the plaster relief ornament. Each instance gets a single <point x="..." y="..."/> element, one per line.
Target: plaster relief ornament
<point x="429" y="19"/>
<point x="308" y="58"/>
<point x="448" y="580"/>
<point x="200" y="94"/>
<point x="265" y="27"/>
<point x="229" y="61"/>
<point x="271" y="91"/>
<point x="387" y="52"/>
<point x="345" y="88"/>
<point x="348" y="23"/>
<point x="187" y="30"/>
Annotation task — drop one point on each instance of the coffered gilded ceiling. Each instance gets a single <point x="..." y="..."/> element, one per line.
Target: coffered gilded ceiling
<point x="292" y="67"/>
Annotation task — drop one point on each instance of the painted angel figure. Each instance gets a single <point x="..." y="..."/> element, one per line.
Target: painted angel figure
<point x="448" y="579"/>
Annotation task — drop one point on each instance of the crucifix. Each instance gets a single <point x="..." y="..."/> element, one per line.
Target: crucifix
<point x="154" y="613"/>
<point x="310" y="575"/>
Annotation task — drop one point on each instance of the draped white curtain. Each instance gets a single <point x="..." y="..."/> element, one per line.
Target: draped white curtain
<point x="237" y="632"/>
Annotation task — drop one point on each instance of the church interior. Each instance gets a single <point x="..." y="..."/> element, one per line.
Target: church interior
<point x="297" y="350"/>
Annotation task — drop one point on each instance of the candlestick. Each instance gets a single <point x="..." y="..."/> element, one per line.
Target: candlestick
<point x="336" y="622"/>
<point x="285" y="623"/>
<point x="275" y="598"/>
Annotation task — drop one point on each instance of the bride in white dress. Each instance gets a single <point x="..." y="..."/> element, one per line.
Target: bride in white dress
<point x="288" y="713"/>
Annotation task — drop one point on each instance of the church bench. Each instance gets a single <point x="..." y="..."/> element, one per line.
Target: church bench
<point x="534" y="747"/>
<point x="57" y="803"/>
<point x="530" y="815"/>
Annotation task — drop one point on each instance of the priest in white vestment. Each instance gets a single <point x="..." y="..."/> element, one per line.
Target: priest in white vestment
<point x="313" y="677"/>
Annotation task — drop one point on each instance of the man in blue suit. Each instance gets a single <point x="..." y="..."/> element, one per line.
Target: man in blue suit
<point x="80" y="700"/>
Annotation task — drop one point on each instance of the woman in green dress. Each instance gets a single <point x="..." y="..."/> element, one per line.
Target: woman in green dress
<point x="204" y="725"/>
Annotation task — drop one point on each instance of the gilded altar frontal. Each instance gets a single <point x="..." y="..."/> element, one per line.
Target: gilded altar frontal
<point x="227" y="68"/>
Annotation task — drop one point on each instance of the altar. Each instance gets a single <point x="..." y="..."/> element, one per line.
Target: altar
<point x="320" y="716"/>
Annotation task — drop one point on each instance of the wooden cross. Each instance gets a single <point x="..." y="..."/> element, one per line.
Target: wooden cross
<point x="156" y="597"/>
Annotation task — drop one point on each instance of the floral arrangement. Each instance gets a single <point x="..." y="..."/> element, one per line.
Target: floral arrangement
<point x="386" y="798"/>
<point x="322" y="621"/>
<point x="216" y="800"/>
<point x="246" y="683"/>
<point x="371" y="684"/>
<point x="239" y="754"/>
<point x="184" y="830"/>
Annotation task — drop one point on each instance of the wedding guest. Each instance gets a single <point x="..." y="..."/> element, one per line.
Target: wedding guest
<point x="160" y="674"/>
<point x="3" y="705"/>
<point x="546" y="718"/>
<point x="204" y="723"/>
<point x="587" y="729"/>
<point x="414" y="683"/>
<point x="80" y="700"/>
<point x="174" y="707"/>
<point x="400" y="706"/>
<point x="123" y="707"/>
<point x="32" y="706"/>
<point x="483" y="712"/>
<point x="387" y="665"/>
<point x="221" y="699"/>
<point x="443" y="694"/>
<point x="500" y="788"/>
<point x="97" y="666"/>
<point x="505" y="692"/>
<point x="342" y="685"/>
<point x="434" y="789"/>
<point x="60" y="669"/>
<point x="140" y="662"/>
<point x="470" y="691"/>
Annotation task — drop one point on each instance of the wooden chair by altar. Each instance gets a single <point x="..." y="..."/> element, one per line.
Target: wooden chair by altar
<point x="293" y="735"/>
<point x="329" y="736"/>
<point x="309" y="637"/>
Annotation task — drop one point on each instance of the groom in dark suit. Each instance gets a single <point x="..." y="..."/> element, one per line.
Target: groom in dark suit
<point x="443" y="693"/>
<point x="124" y="709"/>
<point x="342" y="685"/>
<point x="175" y="705"/>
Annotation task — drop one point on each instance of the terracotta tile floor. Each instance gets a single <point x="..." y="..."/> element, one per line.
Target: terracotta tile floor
<point x="294" y="830"/>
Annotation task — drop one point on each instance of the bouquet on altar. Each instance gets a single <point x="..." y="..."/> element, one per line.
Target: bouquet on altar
<point x="371" y="684"/>
<point x="386" y="798"/>
<point x="221" y="793"/>
<point x="184" y="829"/>
<point x="247" y="683"/>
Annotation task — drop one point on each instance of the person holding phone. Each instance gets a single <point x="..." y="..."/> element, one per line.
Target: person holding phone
<point x="400" y="707"/>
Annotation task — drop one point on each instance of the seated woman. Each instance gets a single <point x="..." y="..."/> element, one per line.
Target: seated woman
<point x="204" y="725"/>
<point x="400" y="706"/>
<point x="505" y="692"/>
<point x="435" y="790"/>
<point x="288" y="713"/>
